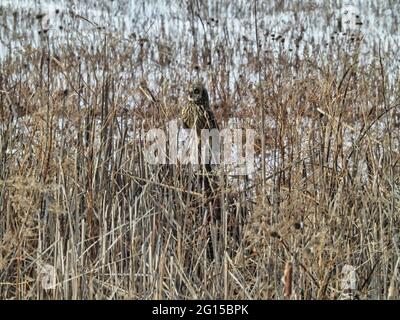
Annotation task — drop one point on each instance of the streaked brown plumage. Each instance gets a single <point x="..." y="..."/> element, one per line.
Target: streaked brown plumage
<point x="197" y="114"/>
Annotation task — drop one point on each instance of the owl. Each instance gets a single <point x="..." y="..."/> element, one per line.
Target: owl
<point x="197" y="113"/>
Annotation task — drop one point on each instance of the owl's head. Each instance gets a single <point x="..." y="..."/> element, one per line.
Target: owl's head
<point x="197" y="93"/>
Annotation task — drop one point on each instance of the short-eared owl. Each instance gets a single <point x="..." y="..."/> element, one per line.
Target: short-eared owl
<point x="197" y="114"/>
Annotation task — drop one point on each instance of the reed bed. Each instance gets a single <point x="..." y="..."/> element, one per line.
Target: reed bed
<point x="84" y="216"/>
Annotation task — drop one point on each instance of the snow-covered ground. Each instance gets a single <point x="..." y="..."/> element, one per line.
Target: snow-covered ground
<point x="306" y="28"/>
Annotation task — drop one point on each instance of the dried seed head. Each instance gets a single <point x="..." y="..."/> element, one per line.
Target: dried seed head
<point x="298" y="225"/>
<point x="274" y="234"/>
<point x="307" y="253"/>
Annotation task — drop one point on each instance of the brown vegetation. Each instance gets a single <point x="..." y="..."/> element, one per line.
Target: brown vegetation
<point x="76" y="193"/>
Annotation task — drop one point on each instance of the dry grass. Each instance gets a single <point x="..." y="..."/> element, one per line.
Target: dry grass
<point x="76" y="194"/>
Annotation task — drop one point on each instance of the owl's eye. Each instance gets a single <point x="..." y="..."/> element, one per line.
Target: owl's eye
<point x="196" y="91"/>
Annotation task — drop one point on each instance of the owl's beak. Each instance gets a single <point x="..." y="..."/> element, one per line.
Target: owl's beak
<point x="190" y="98"/>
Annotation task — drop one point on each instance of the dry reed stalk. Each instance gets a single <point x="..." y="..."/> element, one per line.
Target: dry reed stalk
<point x="288" y="280"/>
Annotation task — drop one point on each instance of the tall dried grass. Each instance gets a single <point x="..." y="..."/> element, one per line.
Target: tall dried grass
<point x="77" y="195"/>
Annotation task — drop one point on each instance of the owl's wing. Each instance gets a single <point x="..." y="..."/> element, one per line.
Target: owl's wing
<point x="211" y="120"/>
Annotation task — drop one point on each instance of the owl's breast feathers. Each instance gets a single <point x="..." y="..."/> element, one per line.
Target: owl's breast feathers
<point x="198" y="117"/>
